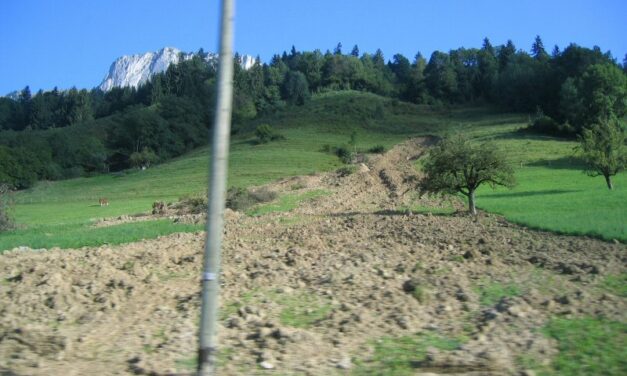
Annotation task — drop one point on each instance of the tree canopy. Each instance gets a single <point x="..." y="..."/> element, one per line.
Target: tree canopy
<point x="456" y="165"/>
<point x="574" y="88"/>
<point x="603" y="149"/>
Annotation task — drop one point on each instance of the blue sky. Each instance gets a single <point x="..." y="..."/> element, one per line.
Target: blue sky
<point x="64" y="43"/>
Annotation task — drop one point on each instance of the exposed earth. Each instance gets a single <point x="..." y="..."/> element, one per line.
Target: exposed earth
<point x="309" y="291"/>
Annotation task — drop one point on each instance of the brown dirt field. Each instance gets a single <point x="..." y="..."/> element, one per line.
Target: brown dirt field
<point x="307" y="291"/>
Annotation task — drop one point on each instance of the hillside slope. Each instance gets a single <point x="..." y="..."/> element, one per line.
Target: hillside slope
<point x="372" y="289"/>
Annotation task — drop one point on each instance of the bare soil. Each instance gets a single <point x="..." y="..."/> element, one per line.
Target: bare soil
<point x="307" y="291"/>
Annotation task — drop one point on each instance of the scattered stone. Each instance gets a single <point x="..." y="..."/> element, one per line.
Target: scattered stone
<point x="345" y="363"/>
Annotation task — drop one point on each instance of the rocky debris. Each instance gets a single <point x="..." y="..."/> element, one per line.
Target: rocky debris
<point x="308" y="291"/>
<point x="363" y="168"/>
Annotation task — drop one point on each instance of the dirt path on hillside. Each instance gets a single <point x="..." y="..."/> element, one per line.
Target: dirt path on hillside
<point x="309" y="291"/>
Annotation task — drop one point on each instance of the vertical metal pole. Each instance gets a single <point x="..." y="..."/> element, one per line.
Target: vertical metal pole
<point x="217" y="192"/>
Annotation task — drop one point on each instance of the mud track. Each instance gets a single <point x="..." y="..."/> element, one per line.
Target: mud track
<point x="309" y="291"/>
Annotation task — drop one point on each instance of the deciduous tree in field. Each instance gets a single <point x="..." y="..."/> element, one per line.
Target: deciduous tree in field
<point x="603" y="149"/>
<point x="455" y="165"/>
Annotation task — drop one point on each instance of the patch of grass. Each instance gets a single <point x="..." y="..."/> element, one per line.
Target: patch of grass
<point x="292" y="220"/>
<point x="529" y="362"/>
<point x="297" y="186"/>
<point x="616" y="284"/>
<point x="446" y="208"/>
<point x="402" y="355"/>
<point x="231" y="308"/>
<point x="417" y="266"/>
<point x="420" y="294"/>
<point x="80" y="235"/>
<point x="286" y="203"/>
<point x="491" y="292"/>
<point x="190" y="364"/>
<point x="457" y="258"/>
<point x="588" y="346"/>
<point x="187" y="364"/>
<point x="346" y="170"/>
<point x="303" y="310"/>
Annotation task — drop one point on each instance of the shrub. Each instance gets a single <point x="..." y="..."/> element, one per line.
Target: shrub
<point x="265" y="134"/>
<point x="344" y="154"/>
<point x="6" y="222"/>
<point x="346" y="170"/>
<point x="262" y="195"/>
<point x="378" y="149"/>
<point x="546" y="125"/>
<point x="241" y="199"/>
<point x="195" y="204"/>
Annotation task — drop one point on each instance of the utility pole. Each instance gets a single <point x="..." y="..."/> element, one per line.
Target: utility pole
<point x="216" y="197"/>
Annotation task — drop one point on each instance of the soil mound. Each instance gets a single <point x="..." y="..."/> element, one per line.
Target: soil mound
<point x="308" y="291"/>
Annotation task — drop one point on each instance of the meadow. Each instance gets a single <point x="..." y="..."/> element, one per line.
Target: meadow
<point x="552" y="192"/>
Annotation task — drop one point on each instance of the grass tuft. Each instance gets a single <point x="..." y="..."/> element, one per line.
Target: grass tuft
<point x="490" y="293"/>
<point x="402" y="355"/>
<point x="286" y="203"/>
<point x="616" y="284"/>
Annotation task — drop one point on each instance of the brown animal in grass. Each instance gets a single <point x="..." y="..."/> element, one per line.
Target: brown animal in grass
<point x="103" y="202"/>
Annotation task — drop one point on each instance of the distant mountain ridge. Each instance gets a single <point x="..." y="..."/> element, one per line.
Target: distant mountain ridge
<point x="134" y="70"/>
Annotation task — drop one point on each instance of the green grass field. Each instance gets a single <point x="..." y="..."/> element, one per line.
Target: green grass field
<point x="552" y="192"/>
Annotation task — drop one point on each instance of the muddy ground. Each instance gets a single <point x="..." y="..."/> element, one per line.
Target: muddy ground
<point x="308" y="291"/>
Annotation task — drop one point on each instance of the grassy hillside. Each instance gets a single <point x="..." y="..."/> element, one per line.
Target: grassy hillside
<point x="552" y="192"/>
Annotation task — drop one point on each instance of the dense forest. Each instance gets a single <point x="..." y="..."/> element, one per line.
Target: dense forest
<point x="61" y="134"/>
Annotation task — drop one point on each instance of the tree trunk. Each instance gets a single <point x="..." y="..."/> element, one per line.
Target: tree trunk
<point x="608" y="180"/>
<point x="471" y="203"/>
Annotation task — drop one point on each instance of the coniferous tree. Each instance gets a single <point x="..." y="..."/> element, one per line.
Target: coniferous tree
<point x="338" y="49"/>
<point x="537" y="49"/>
<point x="440" y="77"/>
<point x="355" y="51"/>
<point x="505" y="54"/>
<point x="488" y="69"/>
<point x="417" y="90"/>
<point x="378" y="59"/>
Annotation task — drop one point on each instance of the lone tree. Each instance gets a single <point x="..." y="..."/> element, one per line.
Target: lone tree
<point x="457" y="166"/>
<point x="603" y="149"/>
